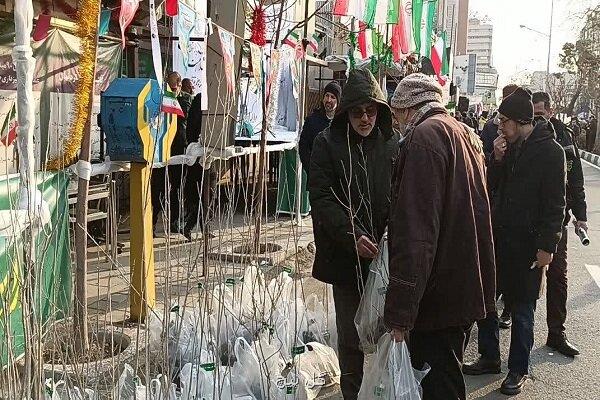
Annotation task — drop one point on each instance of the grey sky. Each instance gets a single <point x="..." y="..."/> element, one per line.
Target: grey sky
<point x="516" y="49"/>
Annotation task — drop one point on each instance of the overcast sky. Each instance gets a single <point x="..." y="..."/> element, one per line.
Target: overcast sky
<point x="516" y="49"/>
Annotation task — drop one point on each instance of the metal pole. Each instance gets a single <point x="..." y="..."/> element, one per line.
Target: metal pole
<point x="301" y="116"/>
<point x="547" y="83"/>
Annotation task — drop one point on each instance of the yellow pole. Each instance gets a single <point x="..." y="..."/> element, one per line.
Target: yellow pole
<point x="142" y="292"/>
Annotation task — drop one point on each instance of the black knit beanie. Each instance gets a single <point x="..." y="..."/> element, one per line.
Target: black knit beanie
<point x="334" y="88"/>
<point x="518" y="106"/>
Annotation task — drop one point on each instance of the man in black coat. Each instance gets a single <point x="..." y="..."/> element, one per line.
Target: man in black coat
<point x="527" y="176"/>
<point x="556" y="293"/>
<point x="350" y="175"/>
<point x="318" y="121"/>
<point x="489" y="133"/>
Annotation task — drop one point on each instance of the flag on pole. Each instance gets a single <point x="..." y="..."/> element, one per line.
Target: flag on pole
<point x="172" y="7"/>
<point x="427" y="26"/>
<point x="341" y="7"/>
<point x="292" y="39"/>
<point x="314" y="42"/>
<point x="402" y="38"/>
<point x="170" y="104"/>
<point x="437" y="59"/>
<point x="228" y="48"/>
<point x="9" y="127"/>
<point x="365" y="40"/>
<point x="446" y="60"/>
<point x="128" y="10"/>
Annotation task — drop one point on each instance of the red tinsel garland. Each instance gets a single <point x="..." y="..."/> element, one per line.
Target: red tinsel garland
<point x="258" y="26"/>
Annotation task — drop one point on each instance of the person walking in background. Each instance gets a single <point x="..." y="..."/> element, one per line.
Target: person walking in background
<point x="592" y="131"/>
<point x="350" y="172"/>
<point x="527" y="176"/>
<point x="318" y="121"/>
<point x="438" y="287"/>
<point x="556" y="292"/>
<point x="489" y="133"/>
<point x="177" y="173"/>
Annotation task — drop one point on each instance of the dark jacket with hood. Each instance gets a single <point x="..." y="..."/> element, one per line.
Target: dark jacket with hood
<point x="442" y="271"/>
<point x="528" y="209"/>
<point x="314" y="124"/>
<point x="350" y="184"/>
<point x="576" y="204"/>
<point x="180" y="141"/>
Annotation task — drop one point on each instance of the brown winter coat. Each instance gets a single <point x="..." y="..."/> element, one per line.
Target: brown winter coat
<point x="442" y="270"/>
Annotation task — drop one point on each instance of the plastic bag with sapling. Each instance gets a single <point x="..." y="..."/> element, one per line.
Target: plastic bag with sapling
<point x="130" y="387"/>
<point x="331" y="334"/>
<point x="391" y="375"/>
<point x="198" y="381"/>
<point x="279" y="293"/>
<point x="253" y="299"/>
<point x="61" y="391"/>
<point x="316" y="319"/>
<point x="246" y="379"/>
<point x="369" y="316"/>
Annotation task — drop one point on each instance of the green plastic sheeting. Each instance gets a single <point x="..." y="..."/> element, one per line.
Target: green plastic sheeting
<point x="286" y="189"/>
<point x="52" y="254"/>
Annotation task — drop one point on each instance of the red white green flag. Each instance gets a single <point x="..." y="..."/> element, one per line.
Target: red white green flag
<point x="170" y="104"/>
<point x="437" y="59"/>
<point x="9" y="127"/>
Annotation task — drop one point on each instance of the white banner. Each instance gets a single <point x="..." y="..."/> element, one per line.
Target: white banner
<point x="156" y="53"/>
<point x="189" y="55"/>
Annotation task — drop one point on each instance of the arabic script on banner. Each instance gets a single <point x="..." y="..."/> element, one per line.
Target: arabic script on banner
<point x="228" y="47"/>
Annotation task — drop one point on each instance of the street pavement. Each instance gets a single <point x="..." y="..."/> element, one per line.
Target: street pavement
<point x="553" y="375"/>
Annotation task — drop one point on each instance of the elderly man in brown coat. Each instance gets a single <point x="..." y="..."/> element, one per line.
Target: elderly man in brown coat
<point x="441" y="252"/>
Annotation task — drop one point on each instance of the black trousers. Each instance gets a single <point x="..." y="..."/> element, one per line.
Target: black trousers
<point x="443" y="351"/>
<point x="556" y="289"/>
<point x="158" y="188"/>
<point x="351" y="357"/>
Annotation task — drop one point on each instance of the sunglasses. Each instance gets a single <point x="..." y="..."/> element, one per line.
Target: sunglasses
<point x="358" y="113"/>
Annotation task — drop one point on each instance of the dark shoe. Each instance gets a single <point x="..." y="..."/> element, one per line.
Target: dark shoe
<point x="504" y="322"/>
<point x="561" y="344"/>
<point x="481" y="367"/>
<point x="513" y="384"/>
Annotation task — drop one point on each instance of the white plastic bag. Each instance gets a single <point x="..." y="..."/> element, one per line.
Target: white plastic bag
<point x="246" y="377"/>
<point x="61" y="391"/>
<point x="391" y="375"/>
<point x="331" y="334"/>
<point x="316" y="321"/>
<point x="369" y="316"/>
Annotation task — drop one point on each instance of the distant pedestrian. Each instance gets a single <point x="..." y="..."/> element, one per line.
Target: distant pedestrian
<point x="437" y="288"/>
<point x="592" y="131"/>
<point x="187" y="86"/>
<point x="318" y="121"/>
<point x="349" y="185"/>
<point x="489" y="133"/>
<point x="556" y="291"/>
<point x="527" y="177"/>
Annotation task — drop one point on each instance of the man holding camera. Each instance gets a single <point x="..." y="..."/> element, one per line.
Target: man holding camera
<point x="556" y="293"/>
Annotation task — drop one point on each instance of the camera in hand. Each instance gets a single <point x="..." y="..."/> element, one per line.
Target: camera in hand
<point x="583" y="236"/>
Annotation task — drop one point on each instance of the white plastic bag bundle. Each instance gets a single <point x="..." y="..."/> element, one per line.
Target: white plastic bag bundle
<point x="61" y="391"/>
<point x="253" y="299"/>
<point x="369" y="316"/>
<point x="246" y="379"/>
<point x="197" y="381"/>
<point x="316" y="319"/>
<point x="331" y="334"/>
<point x="130" y="387"/>
<point x="391" y="375"/>
<point x="317" y="367"/>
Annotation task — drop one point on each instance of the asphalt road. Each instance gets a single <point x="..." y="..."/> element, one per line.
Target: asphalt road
<point x="553" y="375"/>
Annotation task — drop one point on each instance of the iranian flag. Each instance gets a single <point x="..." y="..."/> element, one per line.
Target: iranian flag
<point x="402" y="38"/>
<point x="437" y="59"/>
<point x="351" y="8"/>
<point x="293" y="39"/>
<point x="170" y="104"/>
<point x="381" y="12"/>
<point x="365" y="40"/>
<point x="424" y="13"/>
<point x="9" y="127"/>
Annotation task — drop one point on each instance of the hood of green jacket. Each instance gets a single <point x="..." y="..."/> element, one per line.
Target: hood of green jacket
<point x="362" y="87"/>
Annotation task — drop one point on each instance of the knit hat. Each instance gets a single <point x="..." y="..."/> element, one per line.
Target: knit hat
<point x="416" y="89"/>
<point x="334" y="88"/>
<point x="518" y="106"/>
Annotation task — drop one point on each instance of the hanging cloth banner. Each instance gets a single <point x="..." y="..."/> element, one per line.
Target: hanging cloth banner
<point x="128" y="10"/>
<point x="40" y="32"/>
<point x="228" y="48"/>
<point x="172" y="7"/>
<point x="256" y="57"/>
<point x="186" y="23"/>
<point x="9" y="127"/>
<point x="105" y="15"/>
<point x="156" y="52"/>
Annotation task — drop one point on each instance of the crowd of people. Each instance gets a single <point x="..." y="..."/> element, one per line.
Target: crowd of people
<point x="473" y="210"/>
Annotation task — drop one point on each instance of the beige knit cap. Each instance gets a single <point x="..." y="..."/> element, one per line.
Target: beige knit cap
<point x="416" y="89"/>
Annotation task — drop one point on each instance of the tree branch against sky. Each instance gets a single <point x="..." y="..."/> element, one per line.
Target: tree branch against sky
<point x="516" y="49"/>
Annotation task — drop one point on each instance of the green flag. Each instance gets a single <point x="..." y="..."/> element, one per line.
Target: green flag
<point x="417" y="14"/>
<point x="427" y="24"/>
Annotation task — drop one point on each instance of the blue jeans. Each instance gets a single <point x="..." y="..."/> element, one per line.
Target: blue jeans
<point x="521" y="336"/>
<point x="488" y="337"/>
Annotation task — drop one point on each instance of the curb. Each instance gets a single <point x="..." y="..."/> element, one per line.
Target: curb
<point x="590" y="157"/>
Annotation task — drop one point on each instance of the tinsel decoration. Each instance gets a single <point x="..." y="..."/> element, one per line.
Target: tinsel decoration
<point x="258" y="26"/>
<point x="351" y="58"/>
<point x="87" y="27"/>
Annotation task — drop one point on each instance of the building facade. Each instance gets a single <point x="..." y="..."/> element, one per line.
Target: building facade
<point x="480" y="42"/>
